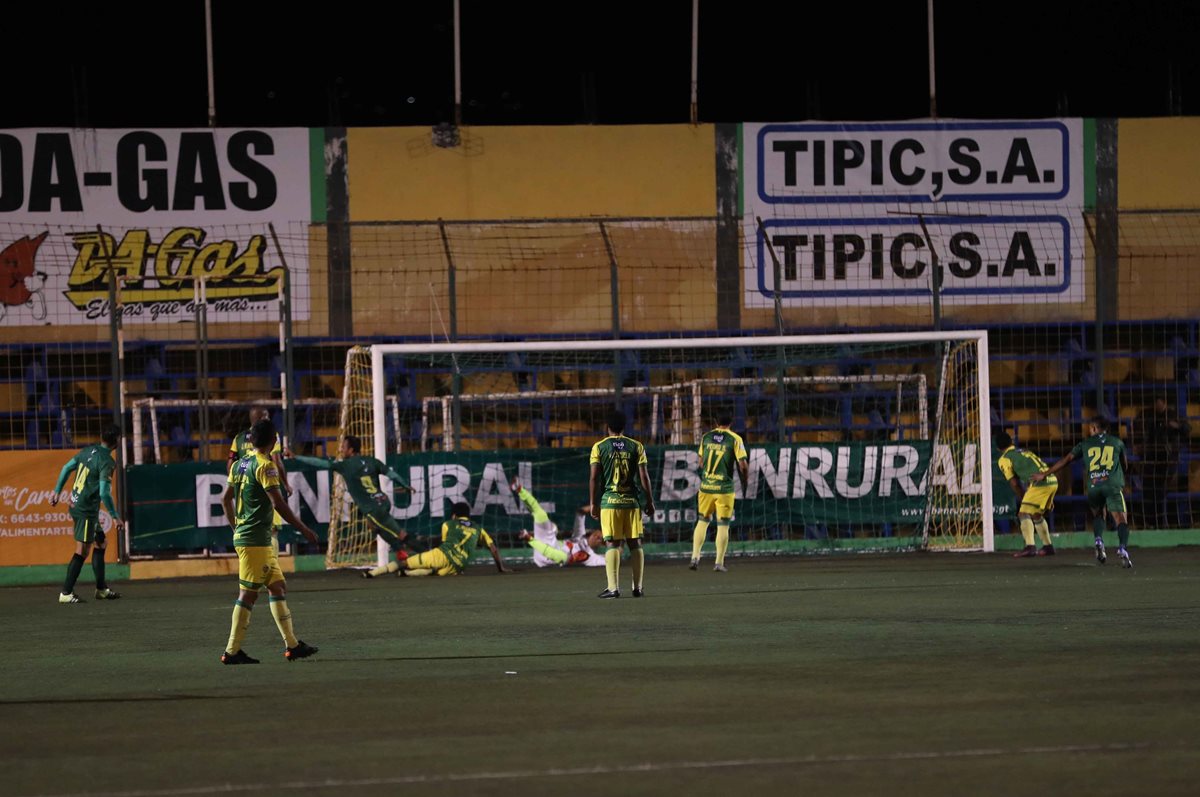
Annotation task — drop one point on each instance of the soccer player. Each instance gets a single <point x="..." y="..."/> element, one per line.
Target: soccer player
<point x="250" y="501"/>
<point x="1106" y="466"/>
<point x="92" y="487"/>
<point x="721" y="452"/>
<point x="460" y="536"/>
<point x="1017" y="465"/>
<point x="241" y="447"/>
<point x="361" y="474"/>
<point x="614" y="461"/>
<point x="548" y="549"/>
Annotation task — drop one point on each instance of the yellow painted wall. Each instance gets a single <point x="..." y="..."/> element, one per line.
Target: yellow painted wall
<point x="533" y="172"/>
<point x="1158" y="163"/>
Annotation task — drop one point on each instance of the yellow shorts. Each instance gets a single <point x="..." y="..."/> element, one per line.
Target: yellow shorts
<point x="621" y="524"/>
<point x="720" y="503"/>
<point x="434" y="560"/>
<point x="1039" y="498"/>
<point x="258" y="566"/>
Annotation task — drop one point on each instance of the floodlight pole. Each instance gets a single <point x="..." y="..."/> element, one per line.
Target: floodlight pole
<point x="457" y="64"/>
<point x="695" y="115"/>
<point x="208" y="41"/>
<point x="932" y="69"/>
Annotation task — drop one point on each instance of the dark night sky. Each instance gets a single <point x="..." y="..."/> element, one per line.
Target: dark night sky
<point x="134" y="63"/>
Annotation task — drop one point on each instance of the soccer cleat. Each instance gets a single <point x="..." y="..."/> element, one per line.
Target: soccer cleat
<point x="107" y="595"/>
<point x="1028" y="550"/>
<point x="1101" y="557"/>
<point x="515" y="486"/>
<point x="237" y="658"/>
<point x="720" y="569"/>
<point x="367" y="574"/>
<point x="637" y="592"/>
<point x="1126" y="562"/>
<point x="69" y="597"/>
<point x="695" y="565"/>
<point x="301" y="651"/>
<point x="1046" y="550"/>
<point x="524" y="535"/>
<point x="610" y="593"/>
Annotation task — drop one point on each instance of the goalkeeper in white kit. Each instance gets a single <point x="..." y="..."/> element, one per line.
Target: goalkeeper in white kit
<point x="548" y="549"/>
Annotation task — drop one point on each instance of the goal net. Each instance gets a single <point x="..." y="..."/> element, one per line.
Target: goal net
<point x="855" y="442"/>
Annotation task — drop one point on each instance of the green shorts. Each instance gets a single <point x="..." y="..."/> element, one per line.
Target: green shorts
<point x="87" y="529"/>
<point x="1106" y="495"/>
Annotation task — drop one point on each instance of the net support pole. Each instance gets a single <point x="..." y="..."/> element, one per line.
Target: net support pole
<point x="614" y="289"/>
<point x="456" y="379"/>
<point x="983" y="373"/>
<point x="117" y="364"/>
<point x="695" y="110"/>
<point x="285" y="344"/>
<point x="378" y="406"/>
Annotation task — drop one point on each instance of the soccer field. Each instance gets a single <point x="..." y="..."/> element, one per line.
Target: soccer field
<point x="897" y="675"/>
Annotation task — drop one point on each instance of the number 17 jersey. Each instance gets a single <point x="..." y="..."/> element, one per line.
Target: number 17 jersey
<point x="720" y="450"/>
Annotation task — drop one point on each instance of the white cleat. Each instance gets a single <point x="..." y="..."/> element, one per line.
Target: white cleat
<point x="1126" y="562"/>
<point x="720" y="569"/>
<point x="1101" y="557"/>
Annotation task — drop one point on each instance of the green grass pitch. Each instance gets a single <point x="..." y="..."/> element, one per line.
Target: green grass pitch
<point x="892" y="675"/>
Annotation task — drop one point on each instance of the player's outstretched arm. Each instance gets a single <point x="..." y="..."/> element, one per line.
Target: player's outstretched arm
<point x="1055" y="468"/>
<point x="62" y="480"/>
<point x="315" y="462"/>
<point x="397" y="479"/>
<point x="285" y="512"/>
<point x="496" y="558"/>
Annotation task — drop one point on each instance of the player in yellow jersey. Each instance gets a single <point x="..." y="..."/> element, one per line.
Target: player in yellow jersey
<point x="1019" y="465"/>
<point x="721" y="453"/>
<point x="614" y="461"/>
<point x="460" y="536"/>
<point x="241" y="447"/>
<point x="250" y="502"/>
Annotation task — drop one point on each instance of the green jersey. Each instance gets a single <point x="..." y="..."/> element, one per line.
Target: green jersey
<point x="254" y="514"/>
<point x="361" y="475"/>
<point x="620" y="459"/>
<point x="1102" y="453"/>
<point x="93" y="465"/>
<point x="1023" y="463"/>
<point x="241" y="445"/>
<point x="459" y="537"/>
<point x="720" y="451"/>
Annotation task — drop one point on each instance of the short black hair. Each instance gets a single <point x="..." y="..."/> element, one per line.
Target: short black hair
<point x="1003" y="440"/>
<point x="110" y="435"/>
<point x="354" y="443"/>
<point x="262" y="433"/>
<point x="724" y="418"/>
<point x="460" y="509"/>
<point x="616" y="421"/>
<point x="1100" y="422"/>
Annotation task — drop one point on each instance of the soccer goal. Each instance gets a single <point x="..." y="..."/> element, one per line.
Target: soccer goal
<point x="855" y="442"/>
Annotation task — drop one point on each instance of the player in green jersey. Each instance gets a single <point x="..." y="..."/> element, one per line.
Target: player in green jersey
<point x="361" y="475"/>
<point x="1019" y="465"/>
<point x="93" y="467"/>
<point x="614" y="461"/>
<point x="251" y="500"/>
<point x="1106" y="467"/>
<point x="460" y="536"/>
<point x="721" y="453"/>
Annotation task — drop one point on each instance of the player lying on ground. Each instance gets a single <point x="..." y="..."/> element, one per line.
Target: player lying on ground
<point x="548" y="549"/>
<point x="250" y="501"/>
<point x="93" y="467"/>
<point x="361" y="475"/>
<point x="460" y="536"/>
<point x="1106" y="466"/>
<point x="1019" y="465"/>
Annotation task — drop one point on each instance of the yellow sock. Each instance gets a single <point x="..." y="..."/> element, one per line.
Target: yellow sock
<point x="698" y="538"/>
<point x="612" y="566"/>
<point x="1043" y="530"/>
<point x="637" y="561"/>
<point x="722" y="541"/>
<point x="283" y="619"/>
<point x="241" y="622"/>
<point x="1026" y="529"/>
<point x="418" y="572"/>
<point x="390" y="567"/>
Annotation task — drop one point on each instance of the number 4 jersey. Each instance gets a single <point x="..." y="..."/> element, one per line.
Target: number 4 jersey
<point x="1102" y="455"/>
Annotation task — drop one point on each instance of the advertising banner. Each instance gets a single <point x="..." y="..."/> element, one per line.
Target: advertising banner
<point x="856" y="212"/>
<point x="158" y="206"/>
<point x="31" y="531"/>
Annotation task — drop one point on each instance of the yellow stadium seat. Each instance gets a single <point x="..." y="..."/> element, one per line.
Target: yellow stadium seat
<point x="12" y="397"/>
<point x="1158" y="369"/>
<point x="1053" y="371"/>
<point x="1118" y="369"/>
<point x="1006" y="373"/>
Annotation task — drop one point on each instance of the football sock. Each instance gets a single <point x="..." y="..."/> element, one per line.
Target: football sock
<point x="1098" y="527"/>
<point x="722" y="541"/>
<point x="418" y="572"/>
<point x="548" y="551"/>
<point x="1043" y="530"/>
<point x="73" y="568"/>
<point x="698" y="537"/>
<point x="98" y="568"/>
<point x="1026" y="523"/>
<point x="241" y="622"/>
<point x="612" y="566"/>
<point x="637" y="561"/>
<point x="283" y="619"/>
<point x="1123" y="534"/>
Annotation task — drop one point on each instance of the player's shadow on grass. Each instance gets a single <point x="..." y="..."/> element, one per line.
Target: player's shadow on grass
<point x="588" y="653"/>
<point x="52" y="701"/>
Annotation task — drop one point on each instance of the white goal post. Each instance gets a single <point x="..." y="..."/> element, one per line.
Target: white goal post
<point x="976" y="439"/>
